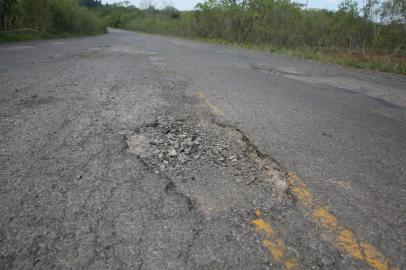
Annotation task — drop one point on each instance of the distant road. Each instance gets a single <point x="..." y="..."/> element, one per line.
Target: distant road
<point x="65" y="103"/>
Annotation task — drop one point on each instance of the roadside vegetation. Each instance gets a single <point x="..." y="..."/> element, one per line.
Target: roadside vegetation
<point x="372" y="36"/>
<point x="36" y="19"/>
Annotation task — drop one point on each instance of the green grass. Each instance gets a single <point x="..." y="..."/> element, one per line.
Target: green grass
<point x="386" y="62"/>
<point x="19" y="36"/>
<point x="6" y="37"/>
<point x="378" y="61"/>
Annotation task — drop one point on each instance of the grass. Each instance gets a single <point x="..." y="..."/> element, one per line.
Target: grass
<point x="386" y="62"/>
<point x="29" y="35"/>
<point x="379" y="61"/>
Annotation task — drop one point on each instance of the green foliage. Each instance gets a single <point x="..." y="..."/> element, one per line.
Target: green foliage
<point x="7" y="8"/>
<point x="90" y="3"/>
<point x="118" y="15"/>
<point x="371" y="36"/>
<point x="49" y="17"/>
<point x="281" y="25"/>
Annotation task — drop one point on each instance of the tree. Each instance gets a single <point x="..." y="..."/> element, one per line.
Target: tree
<point x="5" y="8"/>
<point x="90" y="3"/>
<point x="148" y="4"/>
<point x="394" y="11"/>
<point x="349" y="6"/>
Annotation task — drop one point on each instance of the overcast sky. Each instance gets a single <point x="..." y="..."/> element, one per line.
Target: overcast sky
<point x="190" y="4"/>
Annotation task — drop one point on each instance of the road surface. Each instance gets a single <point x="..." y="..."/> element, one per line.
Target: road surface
<point x="135" y="151"/>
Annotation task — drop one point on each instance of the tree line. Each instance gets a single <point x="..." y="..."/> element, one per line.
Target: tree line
<point x="372" y="35"/>
<point x="50" y="16"/>
<point x="377" y="25"/>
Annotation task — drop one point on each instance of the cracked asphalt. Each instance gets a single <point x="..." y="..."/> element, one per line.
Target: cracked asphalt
<point x="134" y="151"/>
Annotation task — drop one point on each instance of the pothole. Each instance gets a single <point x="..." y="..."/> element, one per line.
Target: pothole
<point x="180" y="147"/>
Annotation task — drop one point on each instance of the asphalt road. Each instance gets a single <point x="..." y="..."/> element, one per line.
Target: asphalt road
<point x="80" y="188"/>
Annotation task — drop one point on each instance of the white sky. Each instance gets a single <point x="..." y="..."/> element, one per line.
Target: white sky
<point x="179" y="4"/>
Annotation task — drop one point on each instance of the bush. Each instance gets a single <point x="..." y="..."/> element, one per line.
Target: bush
<point x="52" y="17"/>
<point x="351" y="35"/>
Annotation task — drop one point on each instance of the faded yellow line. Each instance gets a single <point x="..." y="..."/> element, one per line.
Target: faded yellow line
<point x="345" y="239"/>
<point x="375" y="259"/>
<point x="258" y="212"/>
<point x="291" y="264"/>
<point x="210" y="104"/>
<point x="277" y="248"/>
<point x="348" y="243"/>
<point x="261" y="225"/>
<point x="327" y="220"/>
<point x="299" y="189"/>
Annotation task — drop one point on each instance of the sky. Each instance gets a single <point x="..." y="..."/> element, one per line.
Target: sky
<point x="190" y="4"/>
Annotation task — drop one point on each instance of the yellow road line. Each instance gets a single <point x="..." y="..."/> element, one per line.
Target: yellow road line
<point x="348" y="243"/>
<point x="258" y="212"/>
<point x="210" y="104"/>
<point x="261" y="225"/>
<point x="326" y="219"/>
<point x="291" y="264"/>
<point x="300" y="190"/>
<point x="345" y="239"/>
<point x="277" y="248"/>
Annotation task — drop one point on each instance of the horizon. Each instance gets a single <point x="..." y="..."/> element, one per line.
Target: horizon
<point x="190" y="4"/>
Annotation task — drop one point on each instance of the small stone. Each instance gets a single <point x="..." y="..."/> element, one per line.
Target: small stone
<point x="172" y="153"/>
<point x="188" y="141"/>
<point x="196" y="157"/>
<point x="193" y="150"/>
<point x="183" y="159"/>
<point x="165" y="162"/>
<point x="233" y="158"/>
<point x="161" y="155"/>
<point x="182" y="136"/>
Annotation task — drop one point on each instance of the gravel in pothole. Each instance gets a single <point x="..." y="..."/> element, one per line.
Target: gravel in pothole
<point x="180" y="147"/>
